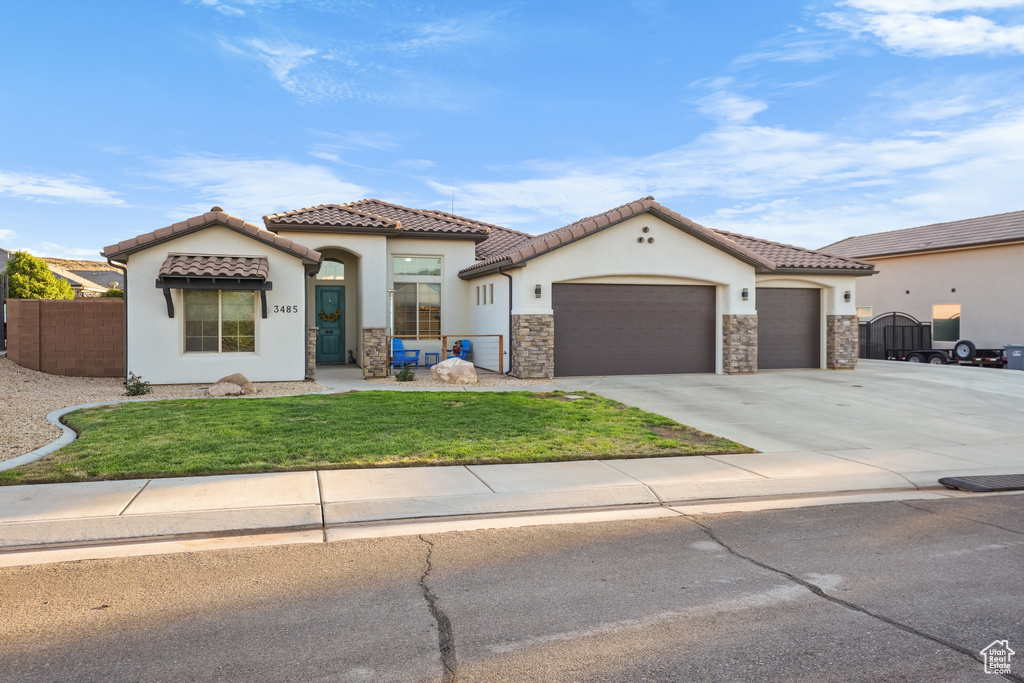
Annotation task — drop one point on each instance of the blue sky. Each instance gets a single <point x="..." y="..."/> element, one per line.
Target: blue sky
<point x="803" y="122"/>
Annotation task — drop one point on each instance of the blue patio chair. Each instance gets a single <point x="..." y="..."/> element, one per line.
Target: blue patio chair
<point x="466" y="347"/>
<point x="399" y="356"/>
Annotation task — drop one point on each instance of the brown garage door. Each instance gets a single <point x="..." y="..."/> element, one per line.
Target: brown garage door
<point x="788" y="328"/>
<point x="633" y="329"/>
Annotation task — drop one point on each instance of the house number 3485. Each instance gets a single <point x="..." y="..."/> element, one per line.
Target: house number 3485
<point x="286" y="309"/>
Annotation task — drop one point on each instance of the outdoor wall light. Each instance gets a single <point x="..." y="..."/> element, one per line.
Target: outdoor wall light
<point x="536" y="291"/>
<point x="846" y="296"/>
<point x="745" y="294"/>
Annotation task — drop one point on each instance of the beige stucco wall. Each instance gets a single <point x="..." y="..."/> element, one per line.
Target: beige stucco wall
<point x="490" y="318"/>
<point x="156" y="343"/>
<point x="989" y="284"/>
<point x="614" y="256"/>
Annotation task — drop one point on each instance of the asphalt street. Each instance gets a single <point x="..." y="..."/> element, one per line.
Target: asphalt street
<point x="892" y="591"/>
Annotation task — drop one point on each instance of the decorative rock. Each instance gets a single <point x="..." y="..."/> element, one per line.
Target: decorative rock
<point x="232" y="385"/>
<point x="454" y="371"/>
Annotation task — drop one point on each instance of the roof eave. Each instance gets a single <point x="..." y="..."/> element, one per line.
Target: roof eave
<point x="474" y="272"/>
<point x="856" y="272"/>
<point x="380" y="232"/>
<point x="122" y="254"/>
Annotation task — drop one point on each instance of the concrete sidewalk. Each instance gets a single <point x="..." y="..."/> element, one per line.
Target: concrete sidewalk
<point x="333" y="500"/>
<point x="890" y="428"/>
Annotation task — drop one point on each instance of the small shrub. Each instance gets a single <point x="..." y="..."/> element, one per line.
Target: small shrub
<point x="113" y="294"/>
<point x="136" y="386"/>
<point x="406" y="374"/>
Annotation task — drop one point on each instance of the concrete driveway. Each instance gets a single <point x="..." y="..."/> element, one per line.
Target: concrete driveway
<point x="880" y="405"/>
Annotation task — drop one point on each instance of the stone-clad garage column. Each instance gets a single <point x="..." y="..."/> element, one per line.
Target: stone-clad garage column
<point x="739" y="344"/>
<point x="533" y="345"/>
<point x="842" y="342"/>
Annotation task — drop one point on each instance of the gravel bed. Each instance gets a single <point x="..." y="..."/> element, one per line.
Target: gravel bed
<point x="26" y="396"/>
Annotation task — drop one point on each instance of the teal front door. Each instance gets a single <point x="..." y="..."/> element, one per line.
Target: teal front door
<point x="330" y="318"/>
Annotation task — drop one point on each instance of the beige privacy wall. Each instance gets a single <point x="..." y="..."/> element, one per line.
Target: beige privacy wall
<point x="76" y="338"/>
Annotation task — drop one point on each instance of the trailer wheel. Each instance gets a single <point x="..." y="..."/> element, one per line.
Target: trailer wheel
<point x="915" y="358"/>
<point x="937" y="359"/>
<point x="964" y="350"/>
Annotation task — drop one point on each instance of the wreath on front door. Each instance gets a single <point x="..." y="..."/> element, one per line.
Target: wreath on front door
<point x="330" y="317"/>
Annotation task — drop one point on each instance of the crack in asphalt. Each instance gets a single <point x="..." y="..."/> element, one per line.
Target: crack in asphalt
<point x="445" y="633"/>
<point x="969" y="519"/>
<point x="843" y="603"/>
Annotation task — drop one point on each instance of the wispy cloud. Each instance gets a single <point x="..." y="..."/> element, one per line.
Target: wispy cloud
<point x="729" y="107"/>
<point x="251" y="188"/>
<point x="298" y="69"/>
<point x="233" y="8"/>
<point x="415" y="164"/>
<point x="785" y="184"/>
<point x="7" y="235"/>
<point x="47" y="188"/>
<point x="915" y="27"/>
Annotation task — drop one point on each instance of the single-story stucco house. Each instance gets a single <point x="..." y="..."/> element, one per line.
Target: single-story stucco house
<point x="965" y="277"/>
<point x="638" y="289"/>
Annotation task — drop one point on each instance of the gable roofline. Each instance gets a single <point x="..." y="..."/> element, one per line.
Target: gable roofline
<point x="374" y="223"/>
<point x="573" y="232"/>
<point x="790" y="259"/>
<point x="215" y="217"/>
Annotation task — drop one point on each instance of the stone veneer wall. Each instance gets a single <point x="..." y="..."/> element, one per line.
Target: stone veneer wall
<point x="842" y="342"/>
<point x="739" y="344"/>
<point x="375" y="352"/>
<point x="311" y="333"/>
<point x="533" y="345"/>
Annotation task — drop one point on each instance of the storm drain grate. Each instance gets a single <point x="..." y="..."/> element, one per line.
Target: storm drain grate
<point x="1001" y="482"/>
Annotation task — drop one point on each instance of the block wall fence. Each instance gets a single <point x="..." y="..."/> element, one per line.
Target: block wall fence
<point x="76" y="338"/>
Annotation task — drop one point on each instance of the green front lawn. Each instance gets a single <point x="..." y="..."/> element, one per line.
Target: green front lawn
<point x="364" y="429"/>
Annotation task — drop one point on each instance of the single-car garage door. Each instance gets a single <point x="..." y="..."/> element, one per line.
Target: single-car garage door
<point x="633" y="329"/>
<point x="788" y="328"/>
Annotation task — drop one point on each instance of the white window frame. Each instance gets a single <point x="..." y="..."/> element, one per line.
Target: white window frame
<point x="418" y="280"/>
<point x="220" y="323"/>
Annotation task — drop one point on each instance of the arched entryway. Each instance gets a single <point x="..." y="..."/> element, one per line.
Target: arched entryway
<point x="333" y="305"/>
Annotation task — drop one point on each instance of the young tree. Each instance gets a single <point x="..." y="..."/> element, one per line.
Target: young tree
<point x="30" y="278"/>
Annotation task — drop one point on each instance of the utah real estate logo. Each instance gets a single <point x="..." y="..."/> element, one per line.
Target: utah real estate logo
<point x="997" y="657"/>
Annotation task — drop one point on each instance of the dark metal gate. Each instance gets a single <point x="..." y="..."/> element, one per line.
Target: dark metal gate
<point x="890" y="334"/>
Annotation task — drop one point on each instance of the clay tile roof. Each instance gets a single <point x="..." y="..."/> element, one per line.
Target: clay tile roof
<point x="1003" y="227"/>
<point x="309" y="257"/>
<point x="788" y="257"/>
<point x="520" y="251"/>
<point x="375" y="216"/>
<point x="197" y="265"/>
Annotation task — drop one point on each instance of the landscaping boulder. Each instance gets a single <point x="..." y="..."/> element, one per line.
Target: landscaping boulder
<point x="232" y="385"/>
<point x="454" y="371"/>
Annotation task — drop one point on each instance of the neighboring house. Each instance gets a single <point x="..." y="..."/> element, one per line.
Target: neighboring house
<point x="87" y="278"/>
<point x="963" y="276"/>
<point x="638" y="289"/>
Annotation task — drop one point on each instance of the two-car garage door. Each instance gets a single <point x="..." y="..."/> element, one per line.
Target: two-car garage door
<point x="633" y="329"/>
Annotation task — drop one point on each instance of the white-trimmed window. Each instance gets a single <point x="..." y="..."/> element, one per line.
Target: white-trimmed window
<point x="417" y="283"/>
<point x="220" y="321"/>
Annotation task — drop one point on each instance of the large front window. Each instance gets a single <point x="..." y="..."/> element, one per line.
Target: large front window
<point x="418" y="310"/>
<point x="220" y="321"/>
